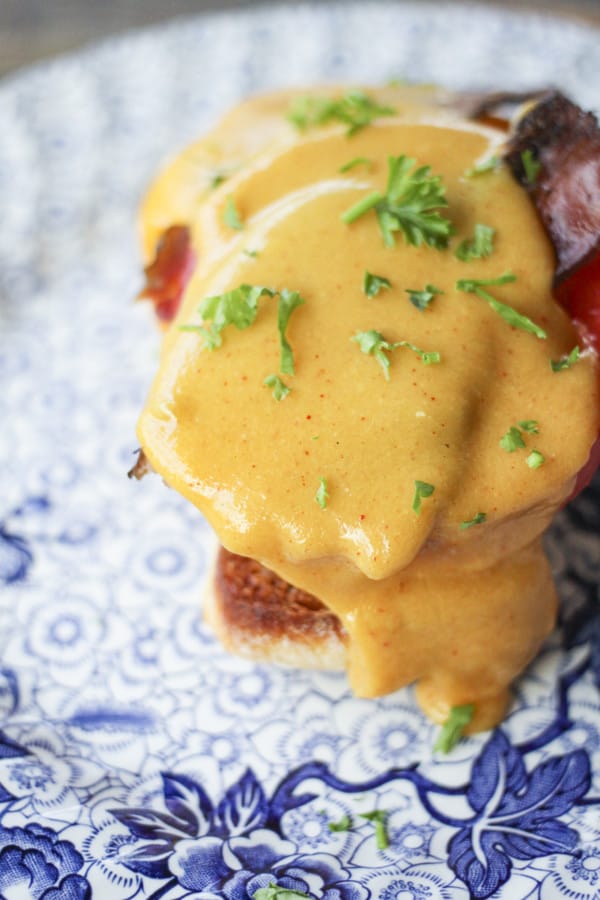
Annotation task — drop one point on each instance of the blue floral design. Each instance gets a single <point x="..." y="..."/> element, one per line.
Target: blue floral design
<point x="16" y="556"/>
<point x="517" y="813"/>
<point x="34" y="857"/>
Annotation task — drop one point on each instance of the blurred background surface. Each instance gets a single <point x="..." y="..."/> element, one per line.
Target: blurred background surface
<point x="32" y="30"/>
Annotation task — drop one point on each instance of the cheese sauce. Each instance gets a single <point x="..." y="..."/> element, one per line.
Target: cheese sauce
<point x="423" y="598"/>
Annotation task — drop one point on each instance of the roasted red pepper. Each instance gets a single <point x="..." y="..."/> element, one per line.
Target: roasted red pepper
<point x="168" y="274"/>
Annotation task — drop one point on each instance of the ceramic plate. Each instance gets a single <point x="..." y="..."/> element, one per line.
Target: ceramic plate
<point x="136" y="758"/>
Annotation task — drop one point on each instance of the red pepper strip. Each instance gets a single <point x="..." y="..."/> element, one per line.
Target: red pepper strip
<point x="168" y="274"/>
<point x="580" y="296"/>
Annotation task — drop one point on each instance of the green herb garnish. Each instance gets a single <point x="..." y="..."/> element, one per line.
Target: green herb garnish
<point x="322" y="495"/>
<point x="422" y="299"/>
<point x="422" y="491"/>
<point x="288" y="301"/>
<point x="486" y="165"/>
<point x="535" y="459"/>
<point x="355" y="109"/>
<point x="357" y="161"/>
<point x="512" y="440"/>
<point x="273" y="892"/>
<point x="372" y="284"/>
<point x="238" y="307"/>
<point x="481" y="246"/>
<point x="565" y="362"/>
<point x="280" y="390"/>
<point x="530" y="426"/>
<point x="409" y="205"/>
<point x="531" y="166"/>
<point x="379" y="819"/>
<point x="372" y="342"/>
<point x="344" y="824"/>
<point x="478" y="519"/>
<point x="231" y="216"/>
<point x="510" y="315"/>
<point x="251" y="253"/>
<point x="453" y="728"/>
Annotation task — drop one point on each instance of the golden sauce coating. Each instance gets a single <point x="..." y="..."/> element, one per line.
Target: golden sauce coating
<point x="422" y="596"/>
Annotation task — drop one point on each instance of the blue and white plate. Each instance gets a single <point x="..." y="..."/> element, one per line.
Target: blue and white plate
<point x="136" y="757"/>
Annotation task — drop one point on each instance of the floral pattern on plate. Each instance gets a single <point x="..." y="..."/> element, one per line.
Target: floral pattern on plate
<point x="136" y="758"/>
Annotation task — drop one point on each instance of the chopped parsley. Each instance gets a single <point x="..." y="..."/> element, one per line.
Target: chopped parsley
<point x="239" y="307"/>
<point x="535" y="459"/>
<point x="372" y="284"/>
<point x="422" y="491"/>
<point x="531" y="166"/>
<point x="530" y="426"/>
<point x="357" y="161"/>
<point x="410" y="205"/>
<point x="510" y="315"/>
<point x="344" y="824"/>
<point x="231" y="216"/>
<point x="288" y="302"/>
<point x="355" y="109"/>
<point x="379" y="818"/>
<point x="453" y="728"/>
<point x="512" y="440"/>
<point x="478" y="519"/>
<point x="481" y="246"/>
<point x="565" y="362"/>
<point x="280" y="389"/>
<point x="373" y="343"/>
<point x="273" y="892"/>
<point x="251" y="253"/>
<point x="486" y="165"/>
<point x="322" y="495"/>
<point x="422" y="299"/>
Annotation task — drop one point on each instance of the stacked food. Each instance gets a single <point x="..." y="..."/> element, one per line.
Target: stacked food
<point x="367" y="384"/>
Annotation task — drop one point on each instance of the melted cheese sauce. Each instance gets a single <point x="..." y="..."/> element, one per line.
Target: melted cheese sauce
<point x="460" y="610"/>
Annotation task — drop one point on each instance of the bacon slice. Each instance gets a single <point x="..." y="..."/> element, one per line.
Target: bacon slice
<point x="169" y="272"/>
<point x="565" y="141"/>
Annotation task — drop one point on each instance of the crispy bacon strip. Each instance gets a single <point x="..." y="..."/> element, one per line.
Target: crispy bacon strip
<point x="566" y="142"/>
<point x="169" y="272"/>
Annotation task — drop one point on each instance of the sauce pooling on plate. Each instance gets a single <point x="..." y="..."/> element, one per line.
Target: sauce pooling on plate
<point x="384" y="410"/>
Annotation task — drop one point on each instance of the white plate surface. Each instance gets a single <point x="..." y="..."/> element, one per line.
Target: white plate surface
<point x="136" y="758"/>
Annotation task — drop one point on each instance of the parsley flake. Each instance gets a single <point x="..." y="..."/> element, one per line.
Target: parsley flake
<point x="422" y="491"/>
<point x="379" y="819"/>
<point x="486" y="165"/>
<point x="535" y="459"/>
<point x="531" y="166"/>
<point x="280" y="389"/>
<point x="288" y="301"/>
<point x="344" y="824"/>
<point x="357" y="161"/>
<point x="237" y="307"/>
<point x="510" y="315"/>
<point x="512" y="440"/>
<point x="453" y="727"/>
<point x="273" y="892"/>
<point x="410" y="205"/>
<point x="422" y="299"/>
<point x="231" y="216"/>
<point x="565" y="362"/>
<point x="322" y="495"/>
<point x="478" y="519"/>
<point x="372" y="284"/>
<point x="481" y="246"/>
<point x="530" y="426"/>
<point x="373" y="343"/>
<point x="355" y="109"/>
